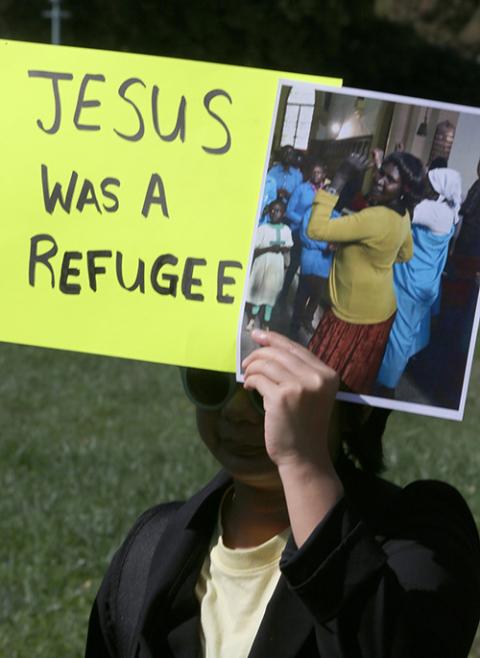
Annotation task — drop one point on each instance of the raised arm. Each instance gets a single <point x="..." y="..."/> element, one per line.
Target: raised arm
<point x="350" y="228"/>
<point x="298" y="392"/>
<point x="414" y="592"/>
<point x="384" y="572"/>
<point x="319" y="245"/>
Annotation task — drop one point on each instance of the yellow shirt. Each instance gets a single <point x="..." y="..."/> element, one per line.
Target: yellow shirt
<point x="368" y="242"/>
<point x="234" y="588"/>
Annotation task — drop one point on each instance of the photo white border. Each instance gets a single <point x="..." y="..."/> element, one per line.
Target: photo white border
<point x="371" y="400"/>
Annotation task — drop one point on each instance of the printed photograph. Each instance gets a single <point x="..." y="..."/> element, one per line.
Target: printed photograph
<point x="367" y="243"/>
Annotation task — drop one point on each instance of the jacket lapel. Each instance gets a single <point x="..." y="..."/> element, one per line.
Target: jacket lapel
<point x="170" y="608"/>
<point x="285" y="626"/>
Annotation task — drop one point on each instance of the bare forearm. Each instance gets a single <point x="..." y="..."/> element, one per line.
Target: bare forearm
<point x="311" y="491"/>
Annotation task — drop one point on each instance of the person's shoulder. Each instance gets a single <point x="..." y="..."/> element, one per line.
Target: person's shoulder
<point x="436" y="511"/>
<point x="434" y="491"/>
<point x="129" y="566"/>
<point x="382" y="212"/>
<point x="421" y="503"/>
<point x="161" y="511"/>
<point x="425" y="205"/>
<point x="476" y="185"/>
<point x="370" y="214"/>
<point x="148" y="527"/>
<point x="264" y="229"/>
<point x="435" y="495"/>
<point x="431" y="523"/>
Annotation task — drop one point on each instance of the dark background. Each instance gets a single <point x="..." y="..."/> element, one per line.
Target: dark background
<point x="386" y="46"/>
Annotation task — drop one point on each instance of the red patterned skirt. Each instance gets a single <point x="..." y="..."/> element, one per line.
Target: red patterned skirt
<point x="354" y="351"/>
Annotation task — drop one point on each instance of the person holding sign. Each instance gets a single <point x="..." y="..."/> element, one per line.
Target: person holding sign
<point x="291" y="550"/>
<point x="272" y="241"/>
<point x="352" y="335"/>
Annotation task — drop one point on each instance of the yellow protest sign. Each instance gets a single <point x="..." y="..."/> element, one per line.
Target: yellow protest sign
<point x="130" y="187"/>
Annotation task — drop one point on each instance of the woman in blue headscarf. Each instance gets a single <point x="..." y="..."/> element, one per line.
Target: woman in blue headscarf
<point x="417" y="282"/>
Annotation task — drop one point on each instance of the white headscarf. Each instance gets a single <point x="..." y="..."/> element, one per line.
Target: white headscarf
<point x="440" y="215"/>
<point x="448" y="184"/>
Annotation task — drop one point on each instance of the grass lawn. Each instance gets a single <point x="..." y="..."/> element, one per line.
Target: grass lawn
<point x="87" y="443"/>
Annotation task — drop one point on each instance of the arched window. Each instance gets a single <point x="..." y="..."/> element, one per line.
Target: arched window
<point x="298" y="117"/>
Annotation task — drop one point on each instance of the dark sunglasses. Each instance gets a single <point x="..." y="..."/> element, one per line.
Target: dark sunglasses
<point x="211" y="390"/>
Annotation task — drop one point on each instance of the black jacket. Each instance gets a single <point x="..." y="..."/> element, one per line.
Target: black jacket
<point x="390" y="573"/>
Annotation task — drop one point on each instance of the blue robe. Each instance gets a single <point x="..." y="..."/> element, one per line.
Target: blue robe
<point x="417" y="287"/>
<point x="300" y="201"/>
<point x="287" y="180"/>
<point x="269" y="195"/>
<point x="316" y="258"/>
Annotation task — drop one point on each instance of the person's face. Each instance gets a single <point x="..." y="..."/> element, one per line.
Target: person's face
<point x="318" y="175"/>
<point x="288" y="156"/>
<point x="277" y="211"/>
<point x="234" y="435"/>
<point x="388" y="185"/>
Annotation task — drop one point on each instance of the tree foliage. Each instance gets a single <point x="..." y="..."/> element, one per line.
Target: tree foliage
<point x="333" y="37"/>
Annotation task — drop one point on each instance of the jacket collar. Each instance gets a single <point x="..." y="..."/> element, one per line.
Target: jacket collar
<point x="171" y="609"/>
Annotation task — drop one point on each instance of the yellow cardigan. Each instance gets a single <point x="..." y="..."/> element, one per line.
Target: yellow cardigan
<point x="368" y="244"/>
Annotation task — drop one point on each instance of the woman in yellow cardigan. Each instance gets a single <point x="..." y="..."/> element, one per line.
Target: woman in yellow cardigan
<point x="352" y="335"/>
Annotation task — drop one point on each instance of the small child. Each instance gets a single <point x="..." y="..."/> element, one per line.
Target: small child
<point x="273" y="239"/>
<point x="291" y="551"/>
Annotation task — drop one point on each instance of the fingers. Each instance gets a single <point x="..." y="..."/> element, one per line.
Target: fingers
<point x="276" y="369"/>
<point x="282" y="349"/>
<point x="358" y="160"/>
<point x="298" y="392"/>
<point x="281" y="362"/>
<point x="263" y="385"/>
<point x="282" y="365"/>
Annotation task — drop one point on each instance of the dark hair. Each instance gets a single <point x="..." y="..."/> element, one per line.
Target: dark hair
<point x="278" y="200"/>
<point x="362" y="435"/>
<point x="438" y="163"/>
<point x="412" y="175"/>
<point x="284" y="149"/>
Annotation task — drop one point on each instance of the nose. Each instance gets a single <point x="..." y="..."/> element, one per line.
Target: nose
<point x="240" y="409"/>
